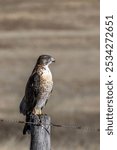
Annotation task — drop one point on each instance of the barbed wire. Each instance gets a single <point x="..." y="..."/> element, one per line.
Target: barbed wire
<point x="72" y="126"/>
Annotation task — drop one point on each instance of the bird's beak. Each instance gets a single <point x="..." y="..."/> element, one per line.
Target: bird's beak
<point x="53" y="59"/>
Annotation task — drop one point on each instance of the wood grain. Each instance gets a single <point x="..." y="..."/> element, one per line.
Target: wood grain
<point x="40" y="135"/>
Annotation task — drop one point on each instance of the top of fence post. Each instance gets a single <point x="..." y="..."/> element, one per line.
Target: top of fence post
<point x="40" y="135"/>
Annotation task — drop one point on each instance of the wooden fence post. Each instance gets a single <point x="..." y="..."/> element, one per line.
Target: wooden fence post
<point x="40" y="135"/>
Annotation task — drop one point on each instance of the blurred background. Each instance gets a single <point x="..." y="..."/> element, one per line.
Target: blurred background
<point x="69" y="31"/>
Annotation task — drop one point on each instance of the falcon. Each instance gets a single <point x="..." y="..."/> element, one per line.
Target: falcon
<point x="38" y="89"/>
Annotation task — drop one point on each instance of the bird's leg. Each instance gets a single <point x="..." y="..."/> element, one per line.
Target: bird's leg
<point x="37" y="111"/>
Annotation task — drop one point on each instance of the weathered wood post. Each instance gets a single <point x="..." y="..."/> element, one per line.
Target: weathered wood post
<point x="40" y="135"/>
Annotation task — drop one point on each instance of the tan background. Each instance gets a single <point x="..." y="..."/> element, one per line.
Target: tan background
<point x="69" y="31"/>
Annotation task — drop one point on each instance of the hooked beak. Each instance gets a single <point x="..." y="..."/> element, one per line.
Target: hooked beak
<point x="53" y="59"/>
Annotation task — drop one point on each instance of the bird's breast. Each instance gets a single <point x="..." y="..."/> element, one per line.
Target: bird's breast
<point x="46" y="86"/>
<point x="46" y="78"/>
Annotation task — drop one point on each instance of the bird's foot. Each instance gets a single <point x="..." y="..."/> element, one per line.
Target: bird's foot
<point x="37" y="112"/>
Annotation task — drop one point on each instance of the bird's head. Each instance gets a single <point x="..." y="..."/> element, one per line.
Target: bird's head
<point x="45" y="60"/>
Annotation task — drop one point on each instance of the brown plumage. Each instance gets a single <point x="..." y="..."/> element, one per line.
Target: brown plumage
<point x="38" y="89"/>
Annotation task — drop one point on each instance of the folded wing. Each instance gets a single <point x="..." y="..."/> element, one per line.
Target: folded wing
<point x="31" y="94"/>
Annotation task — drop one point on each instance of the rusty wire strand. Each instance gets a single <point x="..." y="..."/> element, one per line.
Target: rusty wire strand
<point x="73" y="126"/>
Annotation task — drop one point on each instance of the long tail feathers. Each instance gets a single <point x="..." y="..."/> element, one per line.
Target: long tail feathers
<point x="27" y="127"/>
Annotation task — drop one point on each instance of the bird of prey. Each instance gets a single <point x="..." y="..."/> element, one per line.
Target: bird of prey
<point x="38" y="89"/>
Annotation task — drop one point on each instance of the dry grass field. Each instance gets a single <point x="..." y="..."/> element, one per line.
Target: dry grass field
<point x="69" y="31"/>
